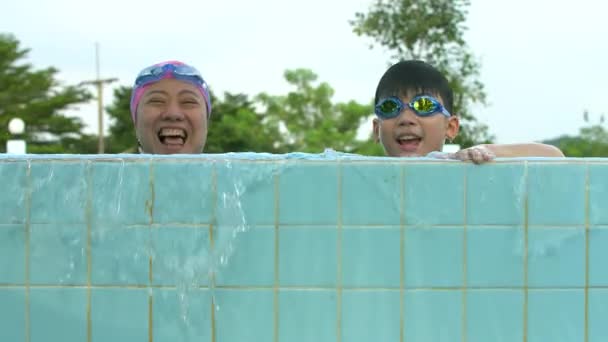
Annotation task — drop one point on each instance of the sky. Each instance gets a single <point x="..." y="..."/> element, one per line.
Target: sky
<point x="543" y="62"/>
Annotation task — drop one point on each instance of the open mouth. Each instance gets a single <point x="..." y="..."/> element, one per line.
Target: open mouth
<point x="172" y="137"/>
<point x="409" y="143"/>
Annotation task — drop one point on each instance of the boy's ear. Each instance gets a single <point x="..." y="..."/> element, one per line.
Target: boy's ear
<point x="453" y="127"/>
<point x="376" y="130"/>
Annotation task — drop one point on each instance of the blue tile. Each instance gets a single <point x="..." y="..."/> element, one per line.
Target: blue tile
<point x="12" y="314"/>
<point x="181" y="315"/>
<point x="120" y="256"/>
<point x="598" y="254"/>
<point x="557" y="315"/>
<point x="556" y="257"/>
<point x="308" y="256"/>
<point x="12" y="254"/>
<point x="180" y="255"/>
<point x="58" y="314"/>
<point x="598" y="315"/>
<point x="119" y="315"/>
<point x="250" y="260"/>
<point x="495" y="315"/>
<point x="307" y="316"/>
<point x="495" y="194"/>
<point x="121" y="192"/>
<point x="495" y="256"/>
<point x="308" y="194"/>
<point x="598" y="194"/>
<point x="249" y="185"/>
<point x="58" y="254"/>
<point x="371" y="257"/>
<point x="434" y="194"/>
<point x="371" y="316"/>
<point x="183" y="192"/>
<point x="371" y="194"/>
<point x="433" y="315"/>
<point x="244" y="315"/>
<point x="556" y="194"/>
<point x="59" y="192"/>
<point x="14" y="192"/>
<point x="434" y="257"/>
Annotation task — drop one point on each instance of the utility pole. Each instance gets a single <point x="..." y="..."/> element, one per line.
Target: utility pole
<point x="99" y="83"/>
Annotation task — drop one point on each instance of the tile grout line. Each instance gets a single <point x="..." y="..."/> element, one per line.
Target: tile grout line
<point x="275" y="288"/>
<point x="402" y="256"/>
<point x="150" y="270"/>
<point x="89" y="218"/>
<point x="525" y="288"/>
<point x="587" y="237"/>
<point x="28" y="228"/>
<point x="212" y="250"/>
<point x="339" y="258"/>
<point x="464" y="260"/>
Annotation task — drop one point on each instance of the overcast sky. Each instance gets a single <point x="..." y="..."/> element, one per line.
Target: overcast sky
<point x="543" y="62"/>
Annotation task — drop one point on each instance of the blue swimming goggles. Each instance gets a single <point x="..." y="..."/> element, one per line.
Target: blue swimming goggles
<point x="422" y="105"/>
<point x="179" y="71"/>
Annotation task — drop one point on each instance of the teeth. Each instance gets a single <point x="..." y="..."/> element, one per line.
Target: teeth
<point x="172" y="132"/>
<point x="407" y="137"/>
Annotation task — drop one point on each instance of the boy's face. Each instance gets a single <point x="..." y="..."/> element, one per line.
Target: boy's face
<point x="410" y="135"/>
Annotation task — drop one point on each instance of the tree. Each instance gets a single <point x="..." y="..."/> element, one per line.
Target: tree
<point x="121" y="137"/>
<point x="592" y="141"/>
<point x="433" y="31"/>
<point x="38" y="99"/>
<point x="311" y="121"/>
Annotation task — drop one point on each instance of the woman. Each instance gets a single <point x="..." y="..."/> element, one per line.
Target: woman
<point x="170" y="108"/>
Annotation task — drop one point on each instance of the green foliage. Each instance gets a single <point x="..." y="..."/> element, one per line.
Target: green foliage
<point x="38" y="99"/>
<point x="592" y="141"/>
<point x="433" y="31"/>
<point x="311" y="121"/>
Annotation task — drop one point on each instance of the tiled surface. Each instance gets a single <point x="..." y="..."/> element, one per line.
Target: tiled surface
<point x="556" y="194"/>
<point x="241" y="315"/>
<point x="58" y="314"/>
<point x="121" y="193"/>
<point x="307" y="316"/>
<point x="371" y="316"/>
<point x="598" y="255"/>
<point x="12" y="254"/>
<point x="598" y="315"/>
<point x="119" y="315"/>
<point x="248" y="256"/>
<point x="434" y="257"/>
<point x="120" y="255"/>
<point x="495" y="256"/>
<point x="12" y="314"/>
<point x="371" y="257"/>
<point x="495" y="315"/>
<point x="58" y="254"/>
<point x="383" y="207"/>
<point x="314" y="201"/>
<point x="556" y="257"/>
<point x="182" y="314"/>
<point x="174" y="182"/>
<point x="433" y="315"/>
<point x="180" y="255"/>
<point x="206" y="251"/>
<point x="496" y="194"/>
<point x="308" y="257"/>
<point x="556" y="315"/>
<point x="59" y="192"/>
<point x="434" y="194"/>
<point x="14" y="198"/>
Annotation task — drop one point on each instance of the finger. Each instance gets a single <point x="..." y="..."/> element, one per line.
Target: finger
<point x="477" y="156"/>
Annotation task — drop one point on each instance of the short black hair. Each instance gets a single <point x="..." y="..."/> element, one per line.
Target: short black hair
<point x="417" y="76"/>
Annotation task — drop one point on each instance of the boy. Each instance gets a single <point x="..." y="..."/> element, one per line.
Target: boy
<point x="413" y="106"/>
